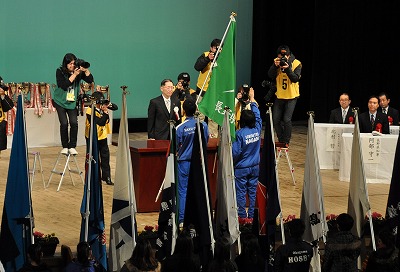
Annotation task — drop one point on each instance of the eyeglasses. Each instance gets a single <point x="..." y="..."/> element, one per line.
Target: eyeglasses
<point x="168" y="87"/>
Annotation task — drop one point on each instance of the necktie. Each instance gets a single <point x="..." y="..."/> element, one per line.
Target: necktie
<point x="168" y="105"/>
<point x="344" y="115"/>
<point x="372" y="121"/>
<point x="384" y="111"/>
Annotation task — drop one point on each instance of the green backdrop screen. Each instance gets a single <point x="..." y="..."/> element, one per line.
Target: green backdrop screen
<point x="136" y="43"/>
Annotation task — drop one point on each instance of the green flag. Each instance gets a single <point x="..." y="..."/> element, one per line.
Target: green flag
<point x="221" y="89"/>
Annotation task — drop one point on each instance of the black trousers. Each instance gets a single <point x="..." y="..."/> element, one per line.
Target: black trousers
<point x="104" y="157"/>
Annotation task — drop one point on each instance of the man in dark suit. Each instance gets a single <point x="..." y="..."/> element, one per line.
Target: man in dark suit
<point x="372" y="120"/>
<point x="342" y="114"/>
<point x="392" y="113"/>
<point x="162" y="109"/>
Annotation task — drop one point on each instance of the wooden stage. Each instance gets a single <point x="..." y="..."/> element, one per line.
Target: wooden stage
<point x="59" y="212"/>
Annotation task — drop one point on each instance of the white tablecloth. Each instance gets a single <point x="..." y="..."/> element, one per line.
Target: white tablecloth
<point x="45" y="130"/>
<point x="378" y="156"/>
<point x="328" y="138"/>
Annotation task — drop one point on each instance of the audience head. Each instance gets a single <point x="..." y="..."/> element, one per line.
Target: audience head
<point x="189" y="106"/>
<point x="384" y="100"/>
<point x="296" y="228"/>
<point x="143" y="256"/>
<point x="344" y="222"/>
<point x="344" y="100"/>
<point x="83" y="252"/>
<point x="373" y="103"/>
<point x="35" y="253"/>
<point x="167" y="87"/>
<point x="386" y="239"/>
<point x="184" y="244"/>
<point x="247" y="119"/>
<point x="250" y="246"/>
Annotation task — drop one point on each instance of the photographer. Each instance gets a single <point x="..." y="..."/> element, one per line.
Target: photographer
<point x="246" y="159"/>
<point x="203" y="66"/>
<point x="183" y="90"/>
<point x="286" y="70"/>
<point x="68" y="76"/>
<point x="242" y="102"/>
<point x="102" y="121"/>
<point x="6" y="104"/>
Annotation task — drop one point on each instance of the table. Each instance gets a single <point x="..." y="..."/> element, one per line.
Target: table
<point x="44" y="131"/>
<point x="378" y="156"/>
<point x="149" y="162"/>
<point x="328" y="139"/>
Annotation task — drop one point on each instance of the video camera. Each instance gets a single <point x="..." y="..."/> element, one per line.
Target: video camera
<point x="82" y="63"/>
<point x="271" y="87"/>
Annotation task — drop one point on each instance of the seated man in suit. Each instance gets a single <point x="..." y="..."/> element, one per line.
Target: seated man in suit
<point x="372" y="120"/>
<point x="392" y="113"/>
<point x="342" y="114"/>
<point x="162" y="109"/>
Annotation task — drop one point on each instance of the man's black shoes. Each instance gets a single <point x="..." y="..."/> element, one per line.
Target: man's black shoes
<point x="109" y="182"/>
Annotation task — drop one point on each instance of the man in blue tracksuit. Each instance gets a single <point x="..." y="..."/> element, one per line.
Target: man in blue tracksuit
<point x="246" y="159"/>
<point x="184" y="142"/>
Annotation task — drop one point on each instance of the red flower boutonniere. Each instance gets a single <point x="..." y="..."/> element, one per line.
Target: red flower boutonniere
<point x="390" y="120"/>
<point x="378" y="127"/>
<point x="351" y="119"/>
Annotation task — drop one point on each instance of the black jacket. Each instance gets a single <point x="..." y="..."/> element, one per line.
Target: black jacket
<point x="365" y="123"/>
<point x="336" y="116"/>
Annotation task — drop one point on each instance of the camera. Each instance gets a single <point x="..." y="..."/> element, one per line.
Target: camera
<point x="2" y="85"/>
<point x="271" y="87"/>
<point x="245" y="95"/>
<point x="283" y="61"/>
<point x="82" y="63"/>
<point x="111" y="106"/>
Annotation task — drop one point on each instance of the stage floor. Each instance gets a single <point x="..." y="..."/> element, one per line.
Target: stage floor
<point x="59" y="212"/>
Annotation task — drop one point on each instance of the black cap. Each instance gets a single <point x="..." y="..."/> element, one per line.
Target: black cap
<point x="284" y="48"/>
<point x="185" y="76"/>
<point x="98" y="96"/>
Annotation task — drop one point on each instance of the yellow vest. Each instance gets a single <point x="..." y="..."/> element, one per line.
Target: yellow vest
<point x="2" y="114"/>
<point x="102" y="131"/>
<point x="203" y="75"/>
<point x="285" y="88"/>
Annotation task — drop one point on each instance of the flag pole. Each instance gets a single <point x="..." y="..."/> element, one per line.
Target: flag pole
<point x="311" y="115"/>
<point x="205" y="183"/>
<point x="132" y="204"/>
<point x="233" y="177"/>
<point x="232" y="18"/>
<point x="371" y="226"/>
<point x="89" y="173"/>
<point x="31" y="219"/>
<point x="269" y="105"/>
<point x="316" y="255"/>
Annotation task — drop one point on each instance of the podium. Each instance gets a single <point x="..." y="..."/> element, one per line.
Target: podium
<point x="149" y="161"/>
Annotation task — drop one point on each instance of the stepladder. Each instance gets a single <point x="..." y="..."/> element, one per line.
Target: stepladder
<point x="68" y="160"/>
<point x="284" y="150"/>
<point x="33" y="170"/>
